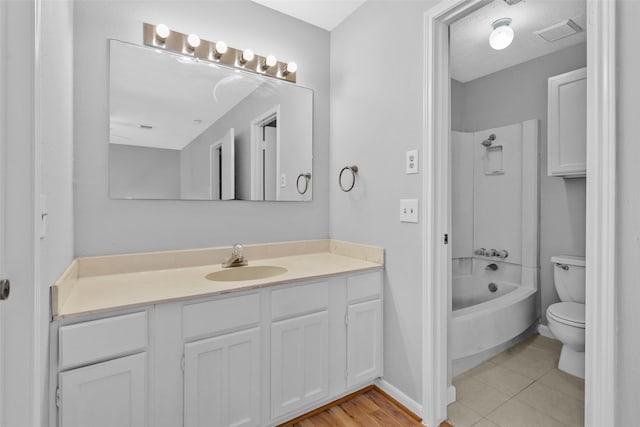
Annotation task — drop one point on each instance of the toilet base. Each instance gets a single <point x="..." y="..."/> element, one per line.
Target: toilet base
<point x="571" y="361"/>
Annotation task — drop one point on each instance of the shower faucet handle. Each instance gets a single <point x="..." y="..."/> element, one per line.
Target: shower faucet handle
<point x="503" y="254"/>
<point x="481" y="251"/>
<point x="492" y="252"/>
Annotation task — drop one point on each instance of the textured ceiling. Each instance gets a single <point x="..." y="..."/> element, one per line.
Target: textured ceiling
<point x="471" y="55"/>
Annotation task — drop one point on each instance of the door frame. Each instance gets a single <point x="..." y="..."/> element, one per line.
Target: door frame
<point x="256" y="150"/>
<point x="601" y="352"/>
<point x="3" y="97"/>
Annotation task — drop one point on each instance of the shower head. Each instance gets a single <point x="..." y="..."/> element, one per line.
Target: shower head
<point x="487" y="142"/>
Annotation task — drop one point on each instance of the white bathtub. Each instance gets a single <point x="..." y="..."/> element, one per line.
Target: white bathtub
<point x="483" y="320"/>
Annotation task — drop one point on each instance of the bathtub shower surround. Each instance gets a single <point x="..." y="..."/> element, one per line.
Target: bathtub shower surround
<point x="494" y="240"/>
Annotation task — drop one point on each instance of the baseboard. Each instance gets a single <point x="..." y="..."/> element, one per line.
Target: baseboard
<point x="398" y="395"/>
<point x="451" y="394"/>
<point x="545" y="331"/>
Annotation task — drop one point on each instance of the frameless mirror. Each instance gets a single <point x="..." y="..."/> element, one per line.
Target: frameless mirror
<point x="192" y="130"/>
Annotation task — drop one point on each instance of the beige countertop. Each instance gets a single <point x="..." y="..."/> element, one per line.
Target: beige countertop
<point x="99" y="284"/>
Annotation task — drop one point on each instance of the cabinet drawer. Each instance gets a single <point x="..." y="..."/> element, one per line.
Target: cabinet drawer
<point x="364" y="286"/>
<point x="207" y="318"/>
<point x="103" y="339"/>
<point x="300" y="299"/>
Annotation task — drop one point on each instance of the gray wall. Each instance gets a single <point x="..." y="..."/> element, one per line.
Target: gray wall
<point x="376" y="116"/>
<point x="628" y="218"/>
<point x="143" y="172"/>
<point x="520" y="93"/>
<point x="104" y="226"/>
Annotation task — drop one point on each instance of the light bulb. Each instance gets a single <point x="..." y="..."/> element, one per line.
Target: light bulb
<point x="193" y="40"/>
<point x="502" y="34"/>
<point x="162" y="32"/>
<point x="269" y="62"/>
<point x="221" y="48"/>
<point x="247" y="55"/>
<point x="291" y="67"/>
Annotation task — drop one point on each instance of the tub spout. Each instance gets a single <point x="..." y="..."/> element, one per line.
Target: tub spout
<point x="493" y="267"/>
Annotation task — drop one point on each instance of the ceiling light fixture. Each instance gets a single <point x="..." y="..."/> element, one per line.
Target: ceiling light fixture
<point x="269" y="62"/>
<point x="220" y="49"/>
<point x="291" y="67"/>
<point x="502" y="34"/>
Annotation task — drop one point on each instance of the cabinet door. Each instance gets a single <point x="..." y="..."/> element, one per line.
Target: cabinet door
<point x="299" y="362"/>
<point x="108" y="394"/>
<point x="222" y="381"/>
<point x="567" y="124"/>
<point x="364" y="343"/>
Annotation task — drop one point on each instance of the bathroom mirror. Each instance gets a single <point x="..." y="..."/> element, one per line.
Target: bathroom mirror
<point x="192" y="130"/>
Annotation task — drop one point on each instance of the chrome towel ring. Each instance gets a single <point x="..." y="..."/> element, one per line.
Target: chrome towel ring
<point x="354" y="171"/>
<point x="307" y="178"/>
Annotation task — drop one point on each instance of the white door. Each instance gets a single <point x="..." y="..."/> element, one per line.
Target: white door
<point x="223" y="167"/>
<point x="222" y="381"/>
<point x="364" y="349"/>
<point x="108" y="394"/>
<point x="299" y="362"/>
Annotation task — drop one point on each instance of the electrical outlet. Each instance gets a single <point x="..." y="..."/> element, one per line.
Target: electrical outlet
<point x="409" y="210"/>
<point x="283" y="180"/>
<point x="412" y="162"/>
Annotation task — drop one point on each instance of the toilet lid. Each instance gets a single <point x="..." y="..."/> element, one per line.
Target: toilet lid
<point x="571" y="313"/>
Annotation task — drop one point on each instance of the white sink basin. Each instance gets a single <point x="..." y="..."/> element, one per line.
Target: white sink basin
<point x="236" y="274"/>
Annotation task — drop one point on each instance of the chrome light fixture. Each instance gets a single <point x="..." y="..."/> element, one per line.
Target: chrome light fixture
<point x="193" y="47"/>
<point x="502" y="34"/>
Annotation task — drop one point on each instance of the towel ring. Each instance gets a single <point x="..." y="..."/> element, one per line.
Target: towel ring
<point x="354" y="171"/>
<point x="307" y="178"/>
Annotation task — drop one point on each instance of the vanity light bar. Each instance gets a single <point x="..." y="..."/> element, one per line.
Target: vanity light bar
<point x="160" y="36"/>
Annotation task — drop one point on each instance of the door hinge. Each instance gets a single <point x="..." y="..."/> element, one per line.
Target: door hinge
<point x="346" y="318"/>
<point x="182" y="362"/>
<point x="58" y="396"/>
<point x="346" y="375"/>
<point x="446" y="239"/>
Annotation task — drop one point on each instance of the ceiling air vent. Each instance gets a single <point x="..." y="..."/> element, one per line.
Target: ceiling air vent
<point x="559" y="31"/>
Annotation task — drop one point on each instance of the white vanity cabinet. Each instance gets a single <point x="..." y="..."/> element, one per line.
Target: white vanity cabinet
<point x="222" y="373"/>
<point x="364" y="328"/>
<point x="102" y="377"/>
<point x="299" y="347"/>
<point x="567" y="124"/>
<point x="250" y="358"/>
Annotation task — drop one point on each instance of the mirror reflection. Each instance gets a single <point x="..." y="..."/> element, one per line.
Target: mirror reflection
<point x="190" y="130"/>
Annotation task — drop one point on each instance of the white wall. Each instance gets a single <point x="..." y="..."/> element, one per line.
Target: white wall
<point x="376" y="115"/>
<point x="628" y="205"/>
<point x="462" y="186"/>
<point x="104" y="226"/>
<point x="520" y="93"/>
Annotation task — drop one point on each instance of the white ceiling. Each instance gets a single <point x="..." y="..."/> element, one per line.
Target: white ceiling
<point x="471" y="55"/>
<point x="325" y="14"/>
<point x="177" y="97"/>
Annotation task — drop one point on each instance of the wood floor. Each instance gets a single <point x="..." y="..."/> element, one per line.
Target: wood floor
<point x="369" y="409"/>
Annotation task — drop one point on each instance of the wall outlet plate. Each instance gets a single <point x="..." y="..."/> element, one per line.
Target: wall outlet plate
<point x="409" y="210"/>
<point x="412" y="162"/>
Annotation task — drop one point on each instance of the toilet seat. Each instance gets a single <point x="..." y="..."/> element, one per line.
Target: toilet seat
<point x="568" y="313"/>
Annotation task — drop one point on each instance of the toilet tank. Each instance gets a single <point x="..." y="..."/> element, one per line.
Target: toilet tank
<point x="568" y="275"/>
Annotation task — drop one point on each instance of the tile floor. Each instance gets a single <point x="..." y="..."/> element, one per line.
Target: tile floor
<point x="520" y="387"/>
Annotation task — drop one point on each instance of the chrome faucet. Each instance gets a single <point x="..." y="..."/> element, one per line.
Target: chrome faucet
<point x="493" y="266"/>
<point x="237" y="259"/>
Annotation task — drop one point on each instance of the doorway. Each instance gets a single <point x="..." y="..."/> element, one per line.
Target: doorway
<point x="600" y="241"/>
<point x="265" y="156"/>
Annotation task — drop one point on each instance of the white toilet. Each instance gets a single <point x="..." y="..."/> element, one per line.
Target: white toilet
<point x="566" y="318"/>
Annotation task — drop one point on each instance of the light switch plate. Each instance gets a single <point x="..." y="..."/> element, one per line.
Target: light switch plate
<point x="409" y="210"/>
<point x="412" y="162"/>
